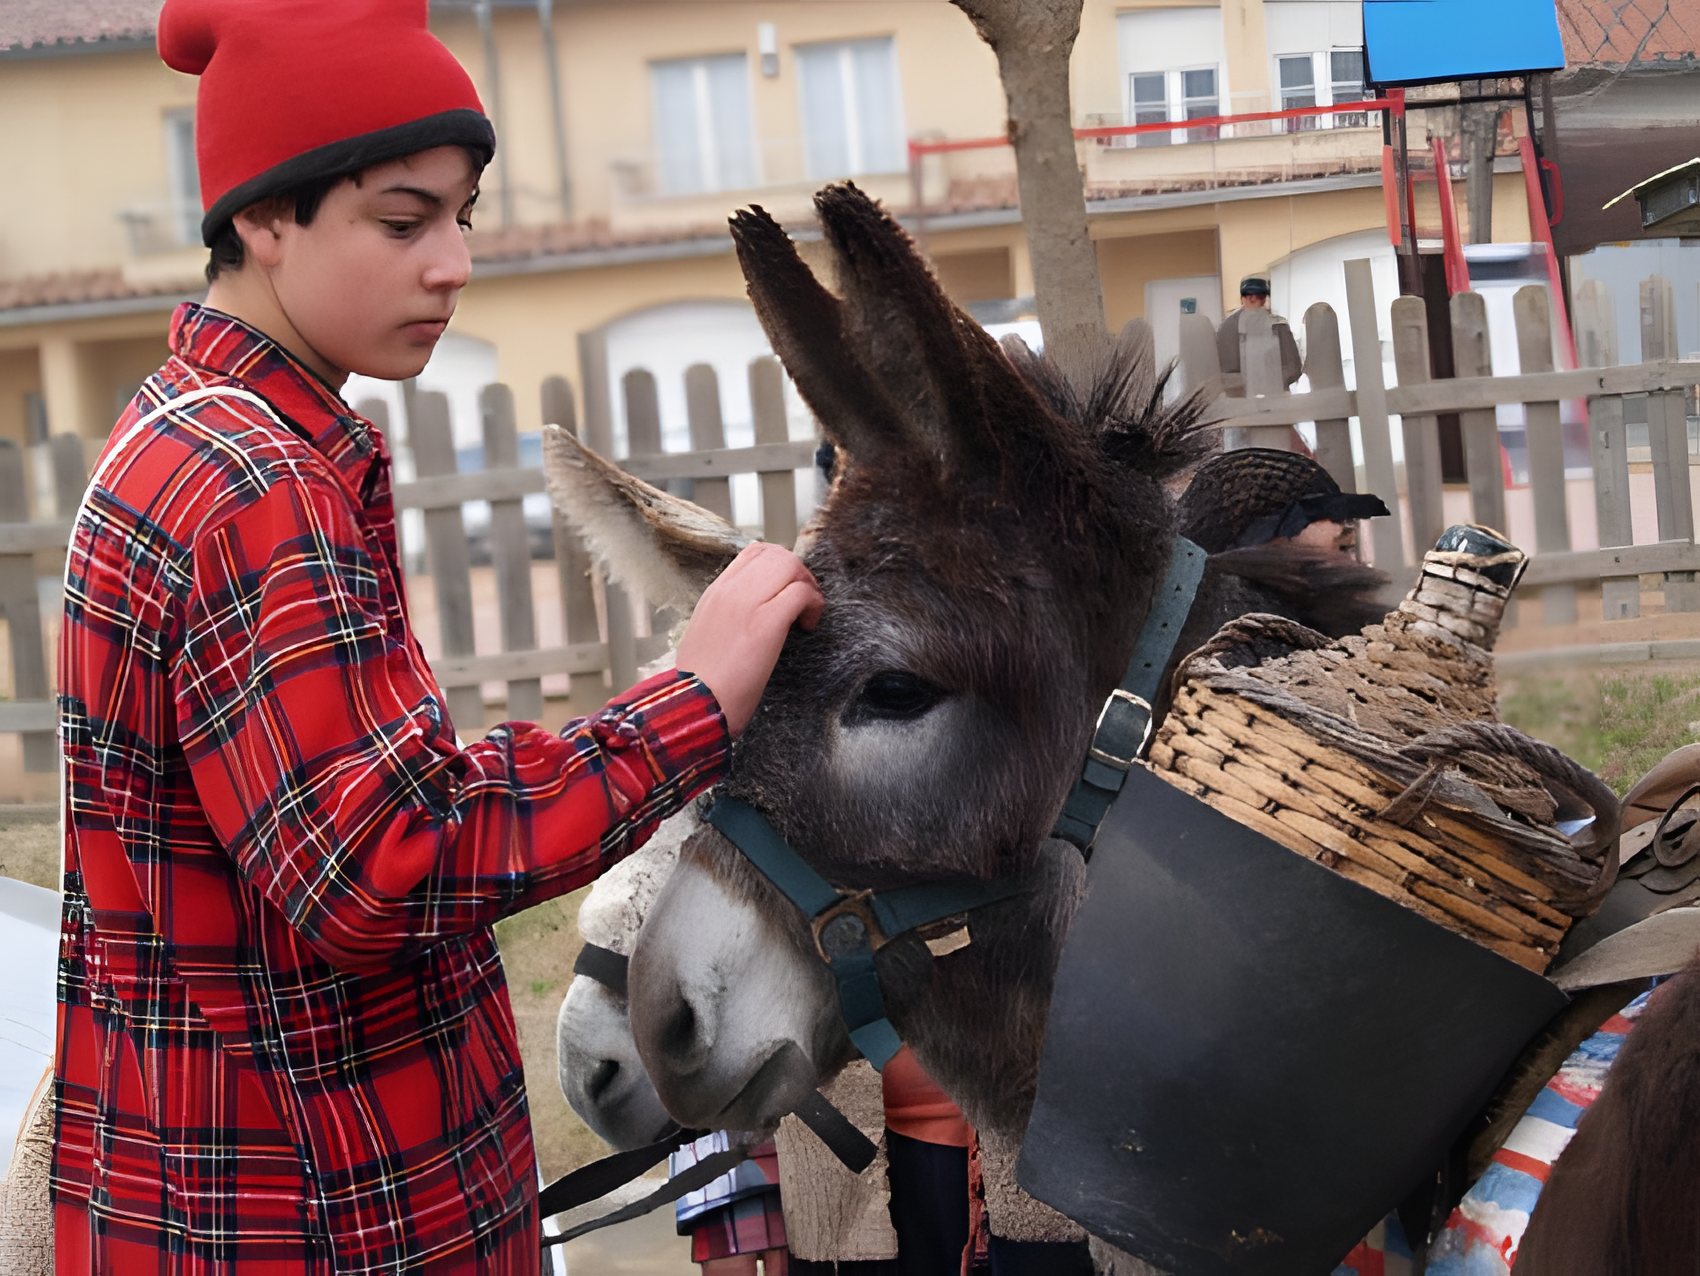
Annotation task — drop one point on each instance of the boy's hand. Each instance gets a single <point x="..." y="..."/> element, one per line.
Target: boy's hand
<point x="740" y="622"/>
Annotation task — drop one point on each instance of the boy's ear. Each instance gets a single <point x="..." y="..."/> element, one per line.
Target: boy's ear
<point x="643" y="537"/>
<point x="258" y="227"/>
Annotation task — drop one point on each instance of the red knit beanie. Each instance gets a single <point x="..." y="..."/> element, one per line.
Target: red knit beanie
<point x="293" y="90"/>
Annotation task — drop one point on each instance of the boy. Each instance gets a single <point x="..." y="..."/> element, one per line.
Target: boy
<point x="285" y="1043"/>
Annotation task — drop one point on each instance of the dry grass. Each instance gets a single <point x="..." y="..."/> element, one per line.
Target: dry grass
<point x="30" y="853"/>
<point x="539" y="947"/>
<point x="1617" y="720"/>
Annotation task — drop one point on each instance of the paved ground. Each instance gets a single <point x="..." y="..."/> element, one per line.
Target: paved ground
<point x="646" y="1246"/>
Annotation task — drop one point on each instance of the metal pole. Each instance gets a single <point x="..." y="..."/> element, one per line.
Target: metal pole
<point x="493" y="78"/>
<point x="551" y="59"/>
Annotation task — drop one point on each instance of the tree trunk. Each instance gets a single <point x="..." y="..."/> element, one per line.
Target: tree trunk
<point x="1032" y="40"/>
<point x="1480" y="127"/>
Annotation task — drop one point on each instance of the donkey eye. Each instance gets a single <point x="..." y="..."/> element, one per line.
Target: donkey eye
<point x="893" y="696"/>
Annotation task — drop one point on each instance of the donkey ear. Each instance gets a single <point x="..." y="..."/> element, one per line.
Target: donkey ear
<point x="957" y="388"/>
<point x="660" y="544"/>
<point x="805" y="323"/>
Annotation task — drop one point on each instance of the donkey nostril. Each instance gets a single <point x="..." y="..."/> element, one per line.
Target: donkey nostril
<point x="679" y="1035"/>
<point x="601" y="1079"/>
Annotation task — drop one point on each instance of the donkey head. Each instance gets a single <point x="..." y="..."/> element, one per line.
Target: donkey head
<point x="988" y="549"/>
<point x="983" y="557"/>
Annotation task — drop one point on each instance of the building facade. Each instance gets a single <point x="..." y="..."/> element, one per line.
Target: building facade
<point x="629" y="129"/>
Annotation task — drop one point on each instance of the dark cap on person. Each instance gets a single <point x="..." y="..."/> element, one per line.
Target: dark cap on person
<point x="296" y="90"/>
<point x="1252" y="495"/>
<point x="1254" y="286"/>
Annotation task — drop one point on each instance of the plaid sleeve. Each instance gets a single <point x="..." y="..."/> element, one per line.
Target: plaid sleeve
<point x="328" y="768"/>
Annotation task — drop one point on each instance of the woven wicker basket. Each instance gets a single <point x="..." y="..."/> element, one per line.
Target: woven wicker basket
<point x="1380" y="756"/>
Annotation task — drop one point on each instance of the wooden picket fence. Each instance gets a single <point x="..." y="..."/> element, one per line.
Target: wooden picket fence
<point x="1266" y="411"/>
<point x="599" y="621"/>
<point x="602" y="628"/>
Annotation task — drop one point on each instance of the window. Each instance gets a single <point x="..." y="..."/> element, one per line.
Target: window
<point x="1150" y="99"/>
<point x="184" y="176"/>
<point x="1346" y="75"/>
<point x="1173" y="67"/>
<point x="703" y="134"/>
<point x="1298" y="88"/>
<point x="1315" y="47"/>
<point x="1199" y="100"/>
<point x="852" y="108"/>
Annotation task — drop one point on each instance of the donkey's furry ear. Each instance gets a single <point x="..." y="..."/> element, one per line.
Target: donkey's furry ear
<point x="646" y="539"/>
<point x="958" y="390"/>
<point x="805" y="323"/>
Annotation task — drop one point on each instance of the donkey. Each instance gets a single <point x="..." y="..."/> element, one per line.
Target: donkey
<point x="596" y="1059"/>
<point x="989" y="550"/>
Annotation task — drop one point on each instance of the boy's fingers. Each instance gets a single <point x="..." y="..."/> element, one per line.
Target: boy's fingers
<point x="800" y="601"/>
<point x="742" y="560"/>
<point x="774" y="572"/>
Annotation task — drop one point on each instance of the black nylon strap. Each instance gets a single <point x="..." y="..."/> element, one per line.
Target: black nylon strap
<point x="895" y="912"/>
<point x="1124" y="726"/>
<point x="855" y="1150"/>
<point x="604" y="965"/>
<point x="699" y="1175"/>
<point x="910" y="906"/>
<point x="601" y="1177"/>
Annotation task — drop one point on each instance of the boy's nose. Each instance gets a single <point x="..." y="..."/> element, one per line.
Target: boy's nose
<point x="451" y="265"/>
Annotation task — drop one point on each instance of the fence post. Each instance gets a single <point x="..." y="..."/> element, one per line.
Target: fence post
<point x="643" y="437"/>
<point x="1667" y="434"/>
<point x="778" y="487"/>
<point x="572" y="562"/>
<point x="708" y="434"/>
<point x="1421" y="432"/>
<point x="1385" y="535"/>
<point x="1201" y="368"/>
<point x="1546" y="449"/>
<point x="1324" y="368"/>
<point x="70" y="473"/>
<point x="1483" y="456"/>
<point x="433" y="443"/>
<point x="598" y="432"/>
<point x="1260" y="362"/>
<point x="510" y="550"/>
<point x="1136" y="347"/>
<point x="21" y="603"/>
<point x="1596" y="344"/>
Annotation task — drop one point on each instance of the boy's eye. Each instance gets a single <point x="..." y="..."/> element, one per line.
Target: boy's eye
<point x="400" y="227"/>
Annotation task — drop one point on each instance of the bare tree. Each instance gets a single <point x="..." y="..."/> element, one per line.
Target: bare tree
<point x="1480" y="128"/>
<point x="1033" y="40"/>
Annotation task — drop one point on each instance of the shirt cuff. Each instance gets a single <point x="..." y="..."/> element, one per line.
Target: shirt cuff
<point x="673" y="721"/>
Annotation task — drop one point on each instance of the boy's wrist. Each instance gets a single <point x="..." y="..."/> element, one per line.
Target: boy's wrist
<point x="674" y="718"/>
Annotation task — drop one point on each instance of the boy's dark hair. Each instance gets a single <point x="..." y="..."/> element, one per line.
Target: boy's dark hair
<point x="300" y="204"/>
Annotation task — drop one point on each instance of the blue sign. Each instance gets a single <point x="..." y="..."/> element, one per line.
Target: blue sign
<point x="1432" y="41"/>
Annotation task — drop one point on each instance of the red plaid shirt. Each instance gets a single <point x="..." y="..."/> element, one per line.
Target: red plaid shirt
<point x="284" y="1034"/>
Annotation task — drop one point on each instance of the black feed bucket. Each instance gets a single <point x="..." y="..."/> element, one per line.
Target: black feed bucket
<point x="1250" y="1060"/>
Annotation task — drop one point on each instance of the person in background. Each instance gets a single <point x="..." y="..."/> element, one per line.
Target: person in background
<point x="927" y="1141"/>
<point x="1254" y="295"/>
<point x="1282" y="539"/>
<point x="735" y="1222"/>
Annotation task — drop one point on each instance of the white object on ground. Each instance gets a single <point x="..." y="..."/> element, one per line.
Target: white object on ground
<point x="29" y="954"/>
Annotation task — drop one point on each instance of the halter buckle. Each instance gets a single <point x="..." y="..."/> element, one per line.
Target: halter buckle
<point x="856" y="909"/>
<point x="1121" y="696"/>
